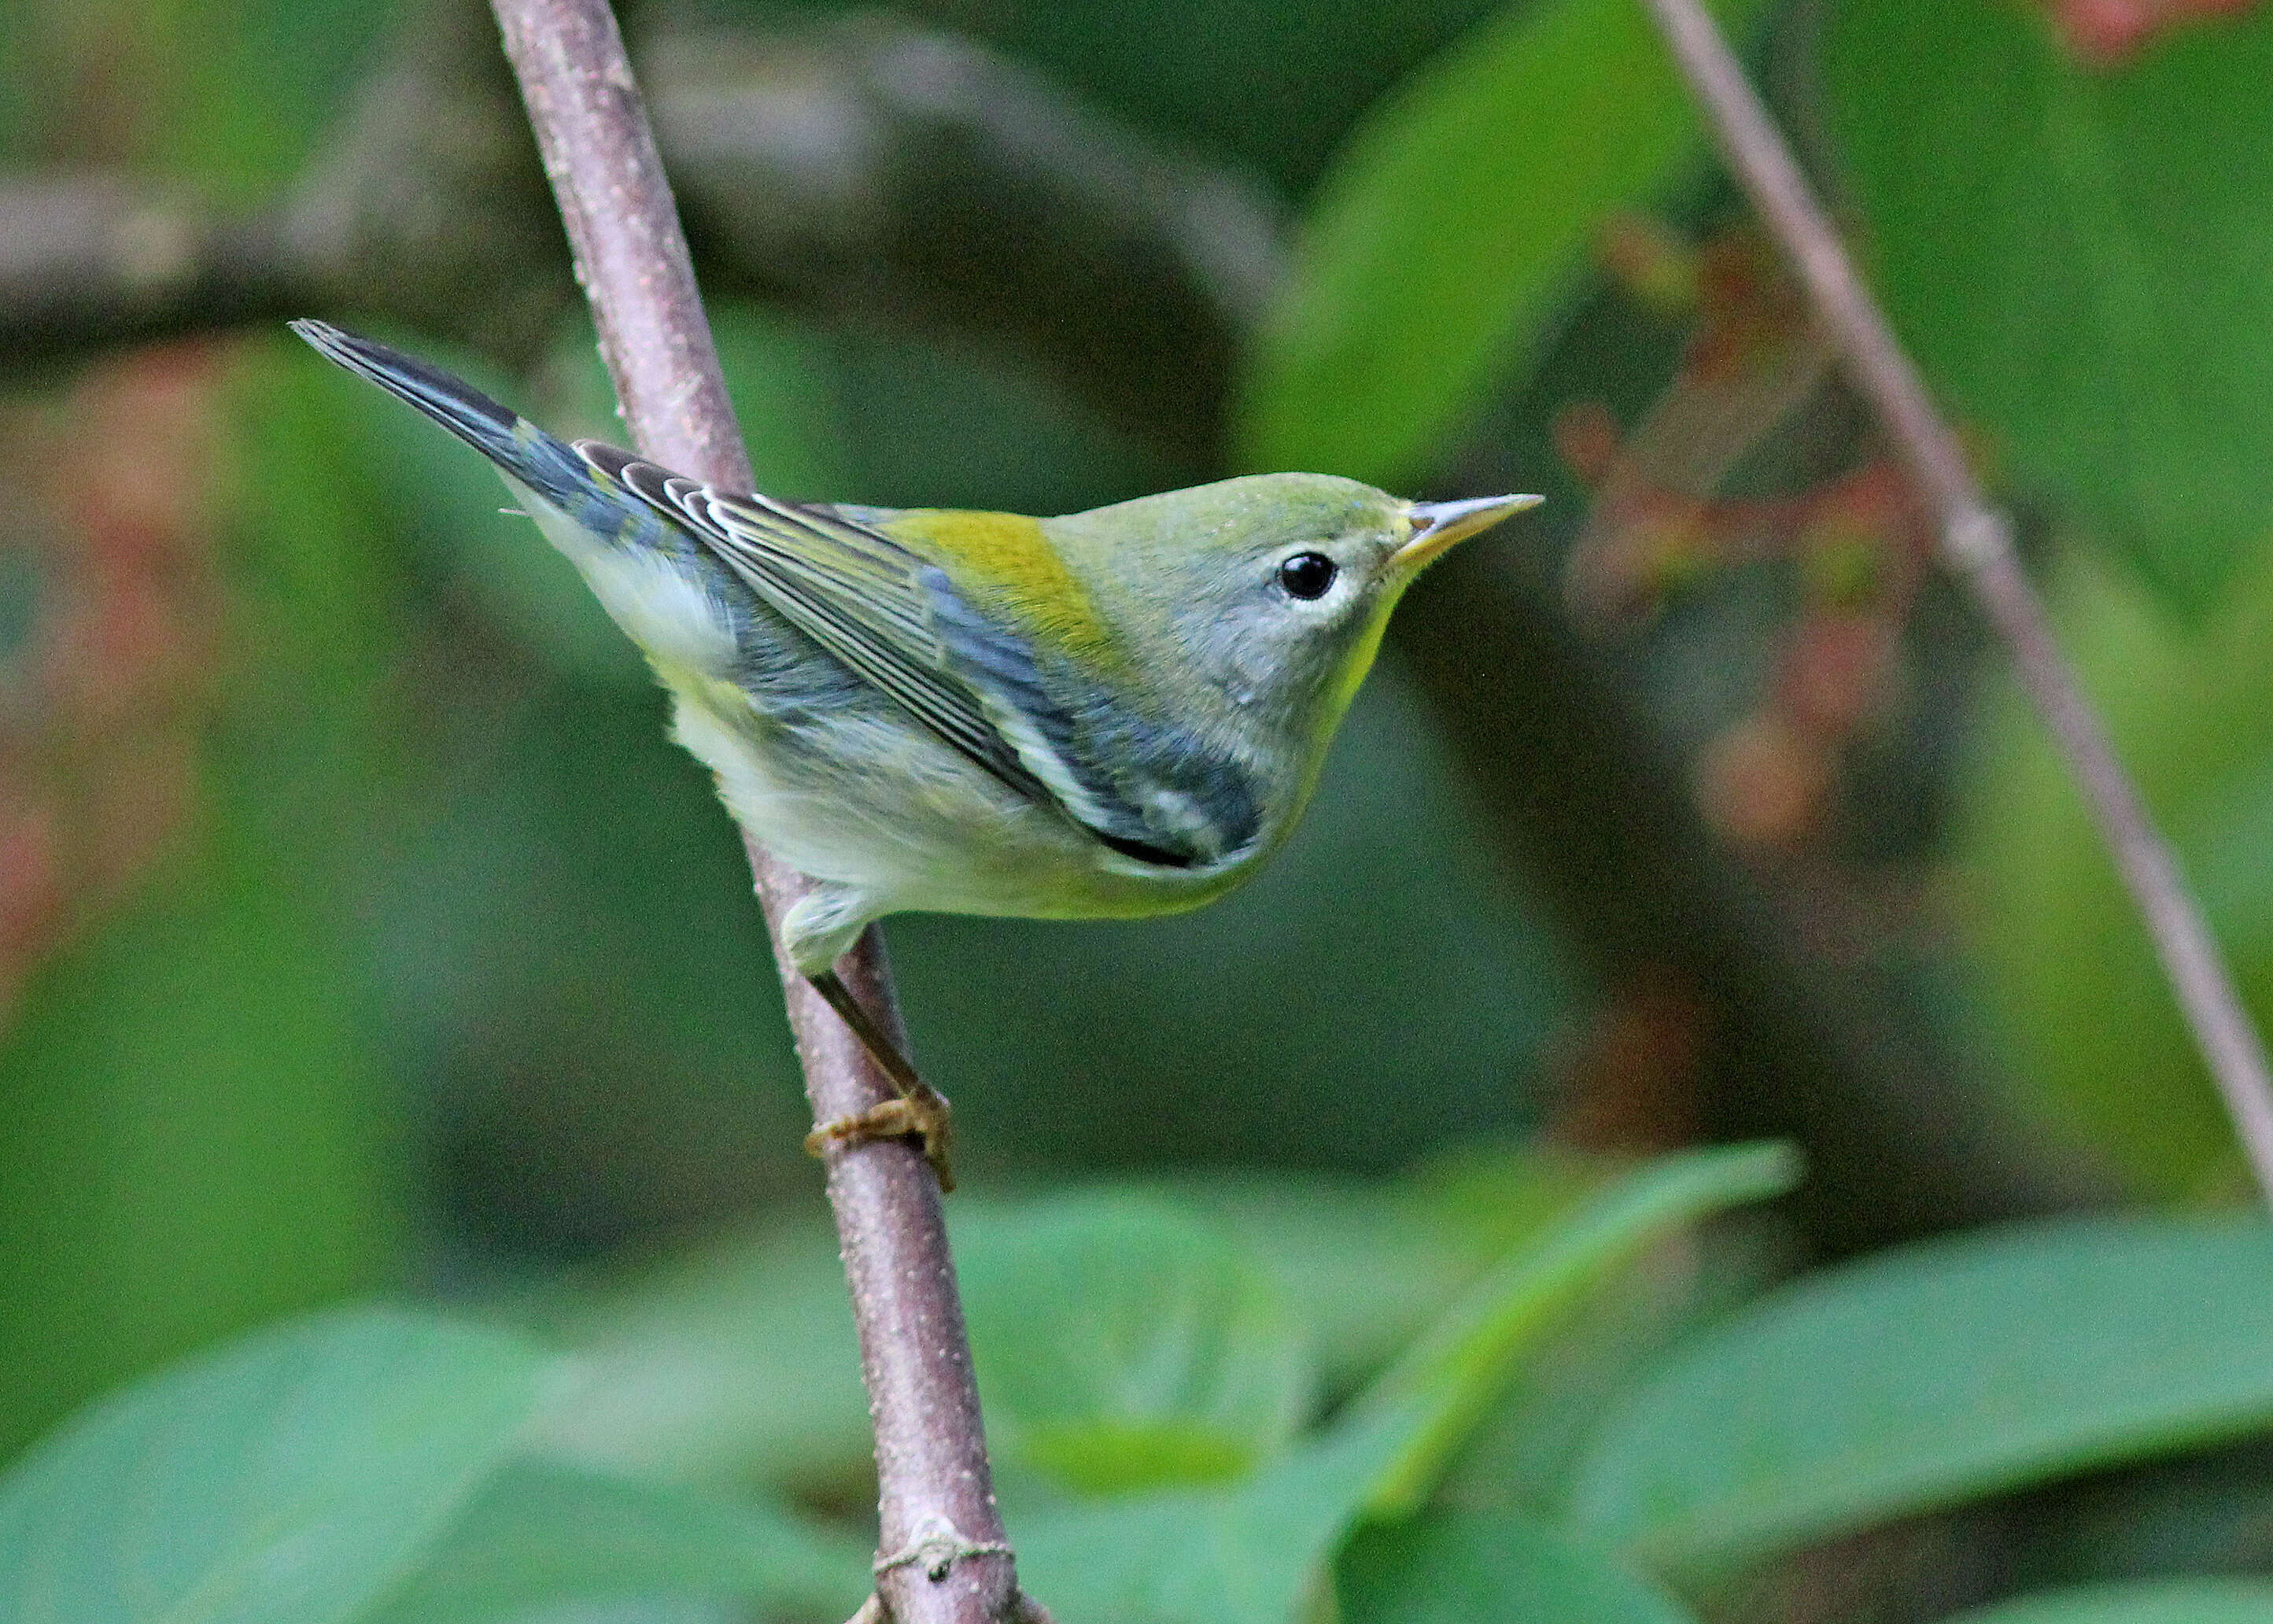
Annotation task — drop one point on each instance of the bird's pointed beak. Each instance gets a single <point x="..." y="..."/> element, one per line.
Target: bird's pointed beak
<point x="1438" y="525"/>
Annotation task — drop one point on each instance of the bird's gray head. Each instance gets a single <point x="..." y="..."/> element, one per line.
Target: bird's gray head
<point x="1270" y="591"/>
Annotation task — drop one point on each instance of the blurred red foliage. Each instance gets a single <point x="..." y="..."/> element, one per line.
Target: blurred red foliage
<point x="103" y="696"/>
<point x="2107" y="33"/>
<point x="1752" y="369"/>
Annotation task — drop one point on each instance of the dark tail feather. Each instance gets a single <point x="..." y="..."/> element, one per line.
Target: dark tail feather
<point x="523" y="450"/>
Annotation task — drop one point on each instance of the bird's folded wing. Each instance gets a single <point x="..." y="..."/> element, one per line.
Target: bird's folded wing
<point x="894" y="620"/>
<point x="848" y="588"/>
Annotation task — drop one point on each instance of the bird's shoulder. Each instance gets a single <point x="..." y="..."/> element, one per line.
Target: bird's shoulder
<point x="1007" y="565"/>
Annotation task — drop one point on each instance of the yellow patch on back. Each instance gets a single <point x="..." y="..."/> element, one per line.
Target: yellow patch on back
<point x="1005" y="560"/>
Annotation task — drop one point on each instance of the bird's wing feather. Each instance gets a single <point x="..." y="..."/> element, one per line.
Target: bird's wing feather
<point x="895" y="620"/>
<point x="849" y="589"/>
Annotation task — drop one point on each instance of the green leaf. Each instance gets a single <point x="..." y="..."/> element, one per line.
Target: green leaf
<point x="194" y="1143"/>
<point x="1469" y="1568"/>
<point x="739" y="1362"/>
<point x="730" y="1362"/>
<point x="543" y="1531"/>
<point x="286" y="1479"/>
<point x="1936" y="1374"/>
<point x="1124" y="1343"/>
<point x="2077" y="259"/>
<point x="1203" y="1556"/>
<point x="1367" y="1264"/>
<point x="2162" y="1601"/>
<point x="1457" y="1368"/>
<point x="1254" y="1552"/>
<point x="1446" y="229"/>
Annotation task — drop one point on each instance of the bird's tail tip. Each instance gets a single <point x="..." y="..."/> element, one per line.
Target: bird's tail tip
<point x="428" y="387"/>
<point x="472" y="415"/>
<point x="358" y="354"/>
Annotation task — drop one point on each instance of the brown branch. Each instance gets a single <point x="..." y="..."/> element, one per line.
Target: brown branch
<point x="944" y="1559"/>
<point x="93" y="263"/>
<point x="1977" y="542"/>
<point x="872" y="168"/>
<point x="425" y="205"/>
<point x="865" y="171"/>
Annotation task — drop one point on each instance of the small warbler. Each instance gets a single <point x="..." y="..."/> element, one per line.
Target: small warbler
<point x="1105" y="715"/>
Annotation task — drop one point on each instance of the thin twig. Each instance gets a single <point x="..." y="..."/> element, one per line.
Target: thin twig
<point x="862" y="171"/>
<point x="1977" y="542"/>
<point x="95" y="262"/>
<point x="935" y="1489"/>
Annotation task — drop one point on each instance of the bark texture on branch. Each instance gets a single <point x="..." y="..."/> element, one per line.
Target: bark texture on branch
<point x="943" y="1560"/>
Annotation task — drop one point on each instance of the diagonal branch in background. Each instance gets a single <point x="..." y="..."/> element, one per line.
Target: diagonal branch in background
<point x="947" y="1561"/>
<point x="91" y="263"/>
<point x="1977" y="542"/>
<point x="873" y="170"/>
<point x="863" y="170"/>
<point x="425" y="205"/>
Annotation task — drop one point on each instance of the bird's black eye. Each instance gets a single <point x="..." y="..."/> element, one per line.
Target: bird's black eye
<point x="1306" y="575"/>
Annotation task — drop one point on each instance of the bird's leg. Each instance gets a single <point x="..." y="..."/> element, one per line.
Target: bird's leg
<point x="921" y="1111"/>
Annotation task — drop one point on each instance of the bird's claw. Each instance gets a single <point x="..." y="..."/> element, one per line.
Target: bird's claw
<point x="922" y="1113"/>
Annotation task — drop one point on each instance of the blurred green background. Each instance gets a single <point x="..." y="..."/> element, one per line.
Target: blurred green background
<point x="359" y="929"/>
<point x="448" y="962"/>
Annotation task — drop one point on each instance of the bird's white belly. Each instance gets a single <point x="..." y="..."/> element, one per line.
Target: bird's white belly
<point x="915" y="825"/>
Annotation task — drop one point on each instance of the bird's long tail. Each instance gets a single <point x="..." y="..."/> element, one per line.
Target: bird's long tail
<point x="540" y="460"/>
